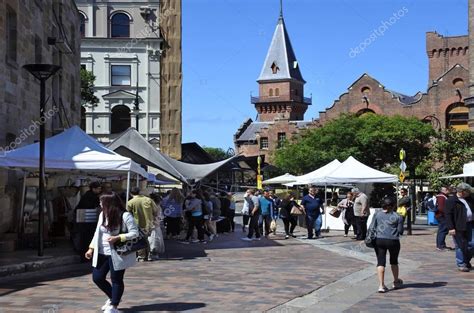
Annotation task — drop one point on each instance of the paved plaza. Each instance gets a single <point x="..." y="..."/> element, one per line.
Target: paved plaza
<point x="333" y="274"/>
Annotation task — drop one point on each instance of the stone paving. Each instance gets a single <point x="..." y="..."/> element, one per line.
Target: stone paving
<point x="333" y="274"/>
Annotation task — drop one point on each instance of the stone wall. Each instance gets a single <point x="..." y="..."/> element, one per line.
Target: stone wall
<point x="19" y="90"/>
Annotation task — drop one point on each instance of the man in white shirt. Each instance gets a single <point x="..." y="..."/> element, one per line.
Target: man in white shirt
<point x="459" y="219"/>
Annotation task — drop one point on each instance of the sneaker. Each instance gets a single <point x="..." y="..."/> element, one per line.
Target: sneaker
<point x="345" y="235"/>
<point x="211" y="237"/>
<point x="294" y="236"/>
<point x="246" y="239"/>
<point x="287" y="236"/>
<point x="383" y="289"/>
<point x="185" y="242"/>
<point x="397" y="284"/>
<point x="463" y="269"/>
<point x="106" y="305"/>
<point x="111" y="309"/>
<point x="194" y="241"/>
<point x="258" y="239"/>
<point x="202" y="241"/>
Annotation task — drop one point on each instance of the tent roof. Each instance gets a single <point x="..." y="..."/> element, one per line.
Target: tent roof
<point x="467" y="171"/>
<point x="353" y="171"/>
<point x="283" y="179"/>
<point x="131" y="144"/>
<point x="316" y="175"/>
<point x="72" y="149"/>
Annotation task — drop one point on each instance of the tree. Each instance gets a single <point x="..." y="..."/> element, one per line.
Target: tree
<point x="448" y="154"/>
<point x="375" y="140"/>
<point x="87" y="88"/>
<point x="218" y="154"/>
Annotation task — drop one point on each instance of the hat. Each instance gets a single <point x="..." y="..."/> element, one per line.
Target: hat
<point x="463" y="187"/>
<point x="356" y="190"/>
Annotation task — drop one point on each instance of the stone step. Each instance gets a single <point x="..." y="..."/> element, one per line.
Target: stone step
<point x="41" y="263"/>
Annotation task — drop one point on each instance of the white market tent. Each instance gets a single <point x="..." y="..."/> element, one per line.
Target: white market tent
<point x="72" y="150"/>
<point x="283" y="179"/>
<point x="467" y="171"/>
<point x="316" y="175"/>
<point x="353" y="171"/>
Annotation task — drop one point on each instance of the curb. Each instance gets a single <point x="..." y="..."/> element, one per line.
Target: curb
<point x="38" y="265"/>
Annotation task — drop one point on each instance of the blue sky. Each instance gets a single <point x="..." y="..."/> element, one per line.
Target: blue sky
<point x="225" y="43"/>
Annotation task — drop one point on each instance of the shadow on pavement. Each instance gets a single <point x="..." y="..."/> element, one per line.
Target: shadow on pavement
<point x="168" y="307"/>
<point x="435" y="284"/>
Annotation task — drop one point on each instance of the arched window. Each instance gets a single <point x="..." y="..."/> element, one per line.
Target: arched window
<point x="277" y="92"/>
<point x="270" y="92"/>
<point x="120" y="119"/>
<point x="120" y="26"/>
<point x="82" y="27"/>
<point x="364" y="111"/>
<point x="457" y="116"/>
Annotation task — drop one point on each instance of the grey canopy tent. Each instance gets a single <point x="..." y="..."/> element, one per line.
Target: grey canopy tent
<point x="132" y="145"/>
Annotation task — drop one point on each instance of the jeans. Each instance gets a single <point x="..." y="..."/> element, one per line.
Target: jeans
<point x="253" y="227"/>
<point x="314" y="222"/>
<point x="290" y="224"/>
<point x="361" y="227"/>
<point x="442" y="232"/>
<point x="99" y="273"/>
<point x="464" y="246"/>
<point x="172" y="225"/>
<point x="245" y="220"/>
<point x="267" y="219"/>
<point x="198" y="222"/>
<point x="230" y="216"/>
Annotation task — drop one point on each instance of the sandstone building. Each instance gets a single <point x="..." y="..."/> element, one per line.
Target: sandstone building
<point x="134" y="50"/>
<point x="35" y="32"/>
<point x="281" y="115"/>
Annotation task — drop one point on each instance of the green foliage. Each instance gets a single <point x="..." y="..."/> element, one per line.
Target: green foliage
<point x="218" y="154"/>
<point x="448" y="154"/>
<point x="374" y="140"/>
<point x="87" y="88"/>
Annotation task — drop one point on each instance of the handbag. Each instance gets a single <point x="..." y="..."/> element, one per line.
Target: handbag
<point x="371" y="235"/>
<point x="273" y="226"/>
<point x="132" y="245"/>
<point x="296" y="211"/>
<point x="402" y="211"/>
<point x="335" y="212"/>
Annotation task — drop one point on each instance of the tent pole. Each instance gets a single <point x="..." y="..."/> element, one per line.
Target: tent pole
<point x="325" y="204"/>
<point x="138" y="181"/>
<point x="128" y="190"/>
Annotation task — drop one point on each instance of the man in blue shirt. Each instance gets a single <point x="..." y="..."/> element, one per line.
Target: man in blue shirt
<point x="266" y="208"/>
<point x="312" y="206"/>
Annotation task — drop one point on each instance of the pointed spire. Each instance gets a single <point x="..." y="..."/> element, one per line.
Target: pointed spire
<point x="280" y="62"/>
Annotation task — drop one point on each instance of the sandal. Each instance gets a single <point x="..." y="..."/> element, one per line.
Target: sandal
<point x="383" y="289"/>
<point x="397" y="284"/>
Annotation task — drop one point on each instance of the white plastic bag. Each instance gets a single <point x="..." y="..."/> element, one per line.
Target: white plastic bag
<point x="157" y="245"/>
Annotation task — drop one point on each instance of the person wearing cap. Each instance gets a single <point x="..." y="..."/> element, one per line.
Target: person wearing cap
<point x="388" y="226"/>
<point x="361" y="212"/>
<point x="459" y="219"/>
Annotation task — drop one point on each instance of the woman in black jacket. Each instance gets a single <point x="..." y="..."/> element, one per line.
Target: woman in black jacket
<point x="289" y="220"/>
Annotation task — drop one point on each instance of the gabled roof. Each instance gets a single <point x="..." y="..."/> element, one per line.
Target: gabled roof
<point x="249" y="133"/>
<point x="119" y="94"/>
<point x="280" y="58"/>
<point x="457" y="65"/>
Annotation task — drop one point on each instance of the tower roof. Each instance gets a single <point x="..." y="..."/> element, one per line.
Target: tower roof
<point x="280" y="63"/>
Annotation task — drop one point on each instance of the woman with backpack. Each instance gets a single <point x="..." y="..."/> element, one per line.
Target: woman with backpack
<point x="115" y="225"/>
<point x="387" y="226"/>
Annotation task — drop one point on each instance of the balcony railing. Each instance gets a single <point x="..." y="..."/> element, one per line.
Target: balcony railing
<point x="305" y="100"/>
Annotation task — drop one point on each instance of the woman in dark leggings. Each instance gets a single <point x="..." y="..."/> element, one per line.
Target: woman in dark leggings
<point x="285" y="213"/>
<point x="388" y="227"/>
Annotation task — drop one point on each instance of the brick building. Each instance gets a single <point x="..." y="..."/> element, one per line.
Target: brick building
<point x="35" y="32"/>
<point x="281" y="116"/>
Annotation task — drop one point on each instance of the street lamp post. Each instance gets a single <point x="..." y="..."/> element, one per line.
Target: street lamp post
<point x="41" y="72"/>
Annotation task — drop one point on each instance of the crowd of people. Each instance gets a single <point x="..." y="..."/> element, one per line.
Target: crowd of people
<point x="199" y="216"/>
